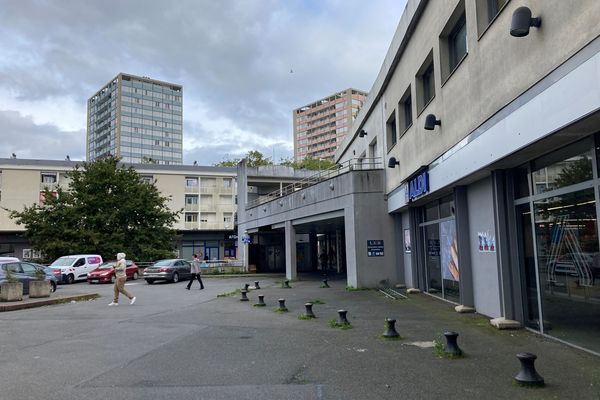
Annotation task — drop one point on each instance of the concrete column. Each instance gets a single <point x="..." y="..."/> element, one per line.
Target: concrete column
<point x="291" y="271"/>
<point x="351" y="251"/>
<point x="313" y="253"/>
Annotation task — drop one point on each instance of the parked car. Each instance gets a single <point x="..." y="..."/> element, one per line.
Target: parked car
<point x="168" y="270"/>
<point x="50" y="274"/>
<point x="105" y="272"/>
<point x="24" y="272"/>
<point x="76" y="267"/>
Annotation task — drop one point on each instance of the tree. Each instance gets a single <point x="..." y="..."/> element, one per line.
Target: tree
<point x="254" y="158"/>
<point x="309" y="163"/>
<point x="107" y="209"/>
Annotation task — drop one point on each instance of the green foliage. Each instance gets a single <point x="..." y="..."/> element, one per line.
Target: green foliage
<point x="316" y="301"/>
<point x="107" y="209"/>
<point x="335" y="324"/>
<point x="254" y="158"/>
<point x="237" y="291"/>
<point x="305" y="317"/>
<point x="10" y="278"/>
<point x="438" y="350"/>
<point x="308" y="163"/>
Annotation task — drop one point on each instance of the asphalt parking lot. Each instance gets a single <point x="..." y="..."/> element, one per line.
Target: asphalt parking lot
<point x="179" y="344"/>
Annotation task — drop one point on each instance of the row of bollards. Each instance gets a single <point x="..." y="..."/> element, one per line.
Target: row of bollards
<point x="527" y="376"/>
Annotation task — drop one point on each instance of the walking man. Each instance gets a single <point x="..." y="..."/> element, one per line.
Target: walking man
<point x="195" y="270"/>
<point x="121" y="275"/>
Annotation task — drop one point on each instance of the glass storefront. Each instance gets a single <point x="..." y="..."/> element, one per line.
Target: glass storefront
<point x="438" y="230"/>
<point x="559" y="248"/>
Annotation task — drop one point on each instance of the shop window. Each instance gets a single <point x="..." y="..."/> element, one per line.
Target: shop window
<point x="565" y="167"/>
<point x="487" y="10"/>
<point x="453" y="42"/>
<point x="425" y="83"/>
<point x="392" y="135"/>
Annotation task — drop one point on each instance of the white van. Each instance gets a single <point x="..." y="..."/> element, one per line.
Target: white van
<point x="76" y="267"/>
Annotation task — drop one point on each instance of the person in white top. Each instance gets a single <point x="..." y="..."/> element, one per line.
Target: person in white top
<point x="195" y="270"/>
<point x="121" y="275"/>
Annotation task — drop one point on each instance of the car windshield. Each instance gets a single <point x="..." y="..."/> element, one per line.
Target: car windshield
<point x="163" y="263"/>
<point x="63" y="262"/>
<point x="107" y="265"/>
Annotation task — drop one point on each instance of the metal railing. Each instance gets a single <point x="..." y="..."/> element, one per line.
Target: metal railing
<point x="353" y="164"/>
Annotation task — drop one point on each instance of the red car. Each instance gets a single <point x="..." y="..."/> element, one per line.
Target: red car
<point x="105" y="272"/>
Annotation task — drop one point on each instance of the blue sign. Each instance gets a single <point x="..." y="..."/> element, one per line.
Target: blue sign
<point x="247" y="239"/>
<point x="418" y="186"/>
<point x="374" y="248"/>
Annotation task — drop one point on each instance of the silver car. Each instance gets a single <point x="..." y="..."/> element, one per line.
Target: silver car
<point x="172" y="270"/>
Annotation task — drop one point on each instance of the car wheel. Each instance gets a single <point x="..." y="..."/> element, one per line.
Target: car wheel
<point x="52" y="287"/>
<point x="112" y="279"/>
<point x="175" y="278"/>
<point x="135" y="276"/>
<point x="149" y="281"/>
<point x="70" y="279"/>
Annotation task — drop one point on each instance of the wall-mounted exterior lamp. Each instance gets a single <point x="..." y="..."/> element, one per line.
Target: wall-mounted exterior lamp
<point x="362" y="133"/>
<point x="392" y="162"/>
<point x="431" y="122"/>
<point x="522" y="21"/>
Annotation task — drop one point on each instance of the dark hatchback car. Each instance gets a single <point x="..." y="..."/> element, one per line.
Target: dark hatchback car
<point x="105" y="272"/>
<point x="172" y="270"/>
<point x="25" y="272"/>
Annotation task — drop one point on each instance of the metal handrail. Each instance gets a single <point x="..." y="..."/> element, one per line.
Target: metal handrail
<point x="323" y="175"/>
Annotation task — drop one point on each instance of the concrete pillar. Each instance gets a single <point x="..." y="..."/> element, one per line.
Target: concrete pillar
<point x="291" y="271"/>
<point x="351" y="248"/>
<point x="461" y="206"/>
<point x="314" y="255"/>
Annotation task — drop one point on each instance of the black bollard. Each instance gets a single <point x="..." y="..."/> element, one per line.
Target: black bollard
<point x="256" y="285"/>
<point x="325" y="284"/>
<point x="342" y="320"/>
<point x="451" y="347"/>
<point x="261" y="301"/>
<point x="244" y="297"/>
<point x="309" y="312"/>
<point x="528" y="376"/>
<point x="282" y="306"/>
<point x="246" y="286"/>
<point x="390" y="329"/>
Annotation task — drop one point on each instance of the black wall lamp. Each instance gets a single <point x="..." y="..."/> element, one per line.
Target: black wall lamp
<point x="521" y="21"/>
<point x="362" y="133"/>
<point x="392" y="162"/>
<point x="431" y="122"/>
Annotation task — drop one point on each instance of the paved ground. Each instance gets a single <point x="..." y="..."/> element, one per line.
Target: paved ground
<point x="175" y="344"/>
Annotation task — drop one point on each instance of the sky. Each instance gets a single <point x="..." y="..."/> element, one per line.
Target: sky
<point x="244" y="66"/>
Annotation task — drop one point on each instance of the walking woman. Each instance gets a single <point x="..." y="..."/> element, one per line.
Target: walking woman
<point x="121" y="275"/>
<point x="195" y="270"/>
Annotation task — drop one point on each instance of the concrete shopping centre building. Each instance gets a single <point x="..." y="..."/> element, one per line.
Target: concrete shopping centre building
<point x="471" y="172"/>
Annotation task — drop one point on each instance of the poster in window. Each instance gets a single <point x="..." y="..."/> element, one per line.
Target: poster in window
<point x="449" y="250"/>
<point x="407" y="245"/>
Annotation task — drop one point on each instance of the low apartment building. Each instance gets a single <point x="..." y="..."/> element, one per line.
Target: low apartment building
<point x="205" y="194"/>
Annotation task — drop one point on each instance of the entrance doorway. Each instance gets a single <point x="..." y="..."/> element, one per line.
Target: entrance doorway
<point x="440" y="250"/>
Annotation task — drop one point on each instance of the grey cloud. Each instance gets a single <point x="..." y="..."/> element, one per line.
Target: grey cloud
<point x="233" y="56"/>
<point x="20" y="135"/>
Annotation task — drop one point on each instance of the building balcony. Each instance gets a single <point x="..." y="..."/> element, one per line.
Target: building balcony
<point x="208" y="189"/>
<point x="191" y="207"/>
<point x="191" y="225"/>
<point x="225" y="190"/>
<point x="192" y="189"/>
<point x="50" y="186"/>
<point x="210" y="206"/>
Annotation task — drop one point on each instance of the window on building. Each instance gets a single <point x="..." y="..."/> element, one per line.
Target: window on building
<point x="425" y="83"/>
<point x="453" y="42"/>
<point x="191" y="217"/>
<point x="487" y="10"/>
<point x="191" y="200"/>
<point x="191" y="182"/>
<point x="392" y="135"/>
<point x="49" y="177"/>
<point x="157" y="142"/>
<point x="405" y="119"/>
<point x="226" y="183"/>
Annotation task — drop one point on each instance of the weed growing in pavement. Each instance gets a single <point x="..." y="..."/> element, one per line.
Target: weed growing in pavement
<point x="236" y="291"/>
<point x="316" y="301"/>
<point x="335" y="324"/>
<point x="305" y="317"/>
<point x="280" y="311"/>
<point x="438" y="350"/>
